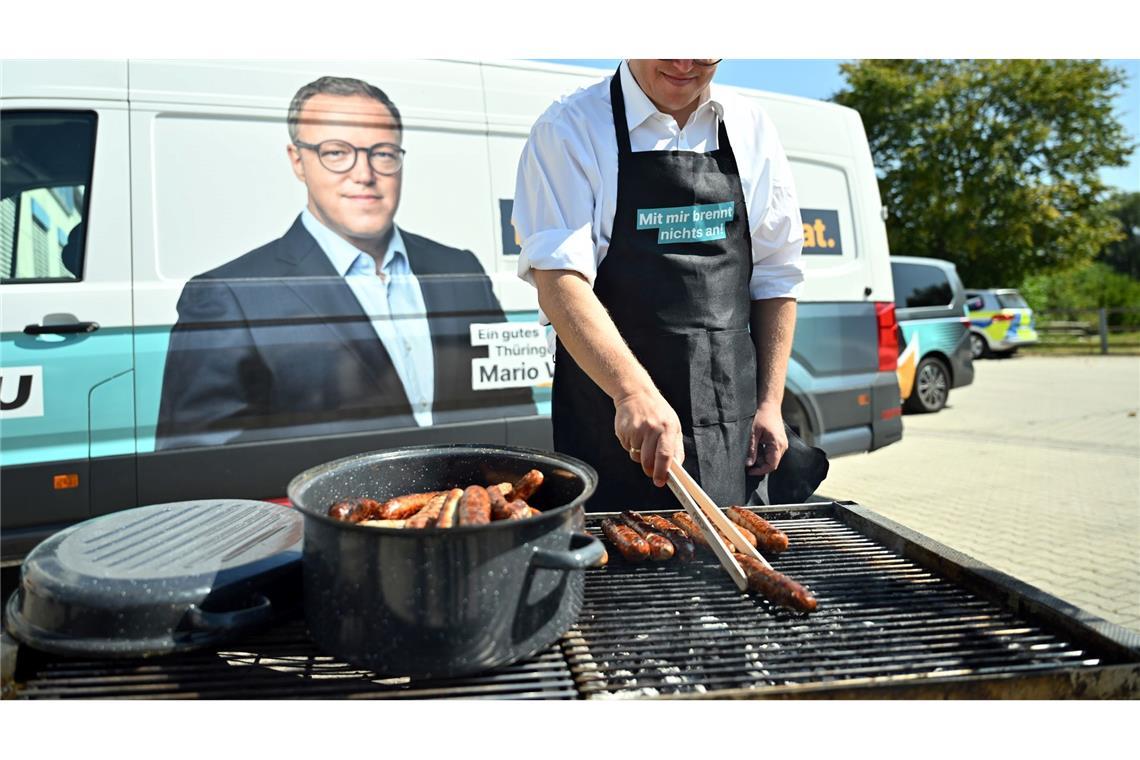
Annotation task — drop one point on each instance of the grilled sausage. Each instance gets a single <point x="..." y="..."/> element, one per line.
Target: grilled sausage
<point x="499" y="506"/>
<point x="450" y="508"/>
<point x="631" y="546"/>
<point x="475" y="506"/>
<point x="525" y="487"/>
<point x="660" y="548"/>
<point x="403" y="507"/>
<point x="355" y="510"/>
<point x="684" y="545"/>
<point x="518" y="510"/>
<point x="686" y="525"/>
<point x="427" y="516"/>
<point x="341" y="510"/>
<point x="768" y="537"/>
<point x="776" y="587"/>
<point x="384" y="523"/>
<point x="693" y="531"/>
<point x="504" y="488"/>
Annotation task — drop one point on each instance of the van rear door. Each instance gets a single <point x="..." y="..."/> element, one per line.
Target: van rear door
<point x="66" y="385"/>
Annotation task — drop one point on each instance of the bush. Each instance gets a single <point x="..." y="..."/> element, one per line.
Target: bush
<point x="1094" y="286"/>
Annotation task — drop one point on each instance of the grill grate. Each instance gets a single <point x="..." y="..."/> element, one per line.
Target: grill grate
<point x="665" y="629"/>
<point x="282" y="663"/>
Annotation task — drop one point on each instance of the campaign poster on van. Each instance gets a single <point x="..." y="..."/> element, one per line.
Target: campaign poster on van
<point x="518" y="356"/>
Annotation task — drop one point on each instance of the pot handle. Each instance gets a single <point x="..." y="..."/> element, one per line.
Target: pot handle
<point x="585" y="551"/>
<point x="259" y="613"/>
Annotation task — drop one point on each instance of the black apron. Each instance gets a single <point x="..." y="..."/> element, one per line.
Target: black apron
<point x="676" y="283"/>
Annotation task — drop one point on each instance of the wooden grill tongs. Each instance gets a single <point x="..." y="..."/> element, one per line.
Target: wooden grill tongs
<point x="709" y="518"/>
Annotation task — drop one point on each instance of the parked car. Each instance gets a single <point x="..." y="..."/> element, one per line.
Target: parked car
<point x="934" y="340"/>
<point x="1000" y="322"/>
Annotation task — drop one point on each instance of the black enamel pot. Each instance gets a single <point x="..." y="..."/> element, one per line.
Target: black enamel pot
<point x="443" y="602"/>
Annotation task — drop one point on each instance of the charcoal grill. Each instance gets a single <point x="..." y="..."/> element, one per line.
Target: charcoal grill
<point x="899" y="616"/>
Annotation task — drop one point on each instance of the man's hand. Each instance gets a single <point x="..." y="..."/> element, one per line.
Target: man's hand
<point x="768" y="441"/>
<point x="650" y="431"/>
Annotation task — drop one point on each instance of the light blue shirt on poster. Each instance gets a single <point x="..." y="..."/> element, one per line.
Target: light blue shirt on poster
<point x="393" y="301"/>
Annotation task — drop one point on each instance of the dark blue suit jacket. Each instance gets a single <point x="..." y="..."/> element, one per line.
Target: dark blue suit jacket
<point x="274" y="345"/>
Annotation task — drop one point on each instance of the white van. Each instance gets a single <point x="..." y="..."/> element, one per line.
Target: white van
<point x="122" y="181"/>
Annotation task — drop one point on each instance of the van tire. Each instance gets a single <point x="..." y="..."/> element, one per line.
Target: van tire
<point x="978" y="346"/>
<point x="796" y="418"/>
<point x="931" y="387"/>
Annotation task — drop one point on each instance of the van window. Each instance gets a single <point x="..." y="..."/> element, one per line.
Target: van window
<point x="1012" y="301"/>
<point x="976" y="303"/>
<point x="920" y="285"/>
<point x="825" y="206"/>
<point x="46" y="160"/>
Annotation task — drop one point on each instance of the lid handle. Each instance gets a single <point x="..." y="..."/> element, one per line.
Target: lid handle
<point x="258" y="613"/>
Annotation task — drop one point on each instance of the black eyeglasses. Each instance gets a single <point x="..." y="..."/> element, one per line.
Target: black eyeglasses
<point x="339" y="156"/>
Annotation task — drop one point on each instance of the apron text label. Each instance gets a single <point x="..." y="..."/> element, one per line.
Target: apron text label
<point x="686" y="224"/>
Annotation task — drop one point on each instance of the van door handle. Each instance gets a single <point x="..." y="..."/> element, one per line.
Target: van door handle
<point x="70" y="328"/>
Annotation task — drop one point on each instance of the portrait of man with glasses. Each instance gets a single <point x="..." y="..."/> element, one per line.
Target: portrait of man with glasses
<point x="347" y="322"/>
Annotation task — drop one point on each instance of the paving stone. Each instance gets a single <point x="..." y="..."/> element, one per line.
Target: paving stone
<point x="1033" y="469"/>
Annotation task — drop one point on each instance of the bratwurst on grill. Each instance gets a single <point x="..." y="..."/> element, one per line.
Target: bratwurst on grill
<point x="632" y="546"/>
<point x="768" y="537"/>
<point x="775" y="587"/>
<point x="684" y="545"/>
<point x="690" y="528"/>
<point x="660" y="548"/>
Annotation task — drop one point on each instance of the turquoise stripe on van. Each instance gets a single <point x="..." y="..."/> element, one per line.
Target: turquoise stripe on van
<point x="87" y="402"/>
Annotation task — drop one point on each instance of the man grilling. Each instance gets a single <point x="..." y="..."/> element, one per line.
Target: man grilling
<point x="659" y="222"/>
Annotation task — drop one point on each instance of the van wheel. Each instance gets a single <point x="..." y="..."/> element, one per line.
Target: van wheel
<point x="931" y="387"/>
<point x="978" y="347"/>
<point x="797" y="419"/>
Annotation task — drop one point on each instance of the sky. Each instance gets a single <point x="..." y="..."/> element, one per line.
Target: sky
<point x="820" y="79"/>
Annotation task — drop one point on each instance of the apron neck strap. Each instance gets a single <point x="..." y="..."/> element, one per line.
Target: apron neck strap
<point x="722" y="137"/>
<point x="617" y="105"/>
<point x="621" y="125"/>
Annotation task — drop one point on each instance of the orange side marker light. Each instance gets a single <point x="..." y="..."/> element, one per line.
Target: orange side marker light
<point x="70" y="480"/>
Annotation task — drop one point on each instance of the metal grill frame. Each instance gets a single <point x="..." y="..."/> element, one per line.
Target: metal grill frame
<point x="1118" y="646"/>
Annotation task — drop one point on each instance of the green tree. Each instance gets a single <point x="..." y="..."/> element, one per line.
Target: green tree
<point x="992" y="164"/>
<point x="1124" y="254"/>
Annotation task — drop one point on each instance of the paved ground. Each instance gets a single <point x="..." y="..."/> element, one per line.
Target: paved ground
<point x="1033" y="469"/>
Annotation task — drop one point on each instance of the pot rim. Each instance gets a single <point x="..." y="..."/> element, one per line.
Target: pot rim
<point x="583" y="470"/>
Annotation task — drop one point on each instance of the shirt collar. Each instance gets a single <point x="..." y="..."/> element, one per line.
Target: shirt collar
<point x="344" y="256"/>
<point x="638" y="106"/>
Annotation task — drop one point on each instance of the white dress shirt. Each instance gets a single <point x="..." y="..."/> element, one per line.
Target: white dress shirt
<point x="394" y="303"/>
<point x="566" y="189"/>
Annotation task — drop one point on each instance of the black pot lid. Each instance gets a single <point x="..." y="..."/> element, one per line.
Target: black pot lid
<point x="157" y="579"/>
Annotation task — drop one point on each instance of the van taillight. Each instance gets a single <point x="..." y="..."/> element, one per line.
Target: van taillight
<point x="888" y="337"/>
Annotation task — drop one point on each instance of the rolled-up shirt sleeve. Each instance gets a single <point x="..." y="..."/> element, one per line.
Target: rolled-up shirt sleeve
<point x="553" y="212"/>
<point x="778" y="236"/>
